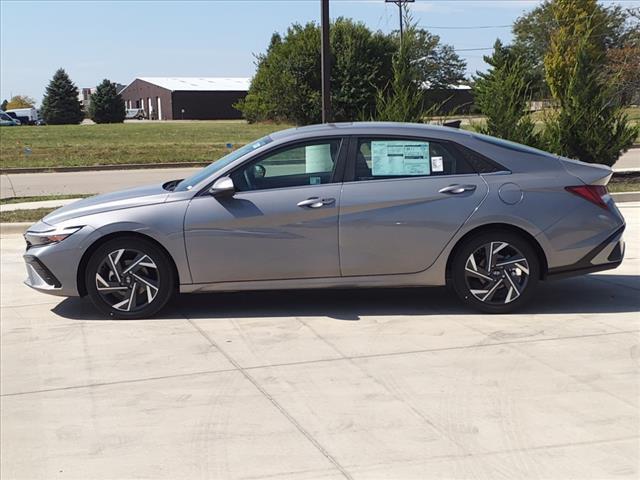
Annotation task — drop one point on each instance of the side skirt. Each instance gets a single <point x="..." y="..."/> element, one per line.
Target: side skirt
<point x="307" y="283"/>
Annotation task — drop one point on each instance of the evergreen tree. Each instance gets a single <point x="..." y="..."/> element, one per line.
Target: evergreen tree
<point x="3" y="107"/>
<point x="403" y="99"/>
<point x="591" y="124"/>
<point x="503" y="95"/>
<point x="61" y="104"/>
<point x="106" y="104"/>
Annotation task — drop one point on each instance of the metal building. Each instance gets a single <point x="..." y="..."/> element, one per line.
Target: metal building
<point x="186" y="98"/>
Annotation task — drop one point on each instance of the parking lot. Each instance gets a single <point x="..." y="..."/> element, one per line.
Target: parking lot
<point x="401" y="384"/>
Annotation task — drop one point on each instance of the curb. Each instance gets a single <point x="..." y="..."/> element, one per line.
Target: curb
<point x="627" y="173"/>
<point x="12" y="228"/>
<point x="97" y="168"/>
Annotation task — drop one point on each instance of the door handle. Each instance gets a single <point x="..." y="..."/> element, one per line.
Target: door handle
<point x="315" y="202"/>
<point x="457" y="189"/>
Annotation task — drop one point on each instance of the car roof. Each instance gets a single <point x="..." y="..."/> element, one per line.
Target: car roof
<point x="370" y="128"/>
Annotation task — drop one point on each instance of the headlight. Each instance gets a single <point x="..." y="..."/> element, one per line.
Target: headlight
<point x="55" y="235"/>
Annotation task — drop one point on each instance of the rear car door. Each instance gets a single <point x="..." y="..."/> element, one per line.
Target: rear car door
<point x="281" y="223"/>
<point x="402" y="201"/>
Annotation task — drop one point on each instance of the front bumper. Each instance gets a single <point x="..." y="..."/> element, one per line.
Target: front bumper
<point x="53" y="269"/>
<point x="606" y="256"/>
<point x="40" y="278"/>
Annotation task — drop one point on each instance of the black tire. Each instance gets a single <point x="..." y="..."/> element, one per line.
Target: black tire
<point x="152" y="277"/>
<point x="505" y="286"/>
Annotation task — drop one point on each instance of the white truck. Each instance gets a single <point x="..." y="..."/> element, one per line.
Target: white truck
<point x="27" y="116"/>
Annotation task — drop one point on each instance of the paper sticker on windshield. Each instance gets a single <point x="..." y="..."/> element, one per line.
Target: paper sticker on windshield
<point x="397" y="157"/>
<point x="436" y="164"/>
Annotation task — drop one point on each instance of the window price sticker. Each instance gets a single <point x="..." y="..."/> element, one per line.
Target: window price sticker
<point x="399" y="158"/>
<point x="436" y="164"/>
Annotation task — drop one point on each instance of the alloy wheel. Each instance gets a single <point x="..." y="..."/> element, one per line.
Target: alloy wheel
<point x="496" y="273"/>
<point x="128" y="280"/>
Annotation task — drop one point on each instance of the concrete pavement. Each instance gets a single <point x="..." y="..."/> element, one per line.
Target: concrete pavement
<point x="629" y="161"/>
<point x="367" y="384"/>
<point x="69" y="183"/>
<point x="9" y="207"/>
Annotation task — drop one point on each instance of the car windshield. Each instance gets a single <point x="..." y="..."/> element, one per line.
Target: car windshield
<point x="189" y="183"/>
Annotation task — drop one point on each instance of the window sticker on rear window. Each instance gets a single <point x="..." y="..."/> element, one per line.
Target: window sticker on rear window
<point x="399" y="157"/>
<point x="437" y="164"/>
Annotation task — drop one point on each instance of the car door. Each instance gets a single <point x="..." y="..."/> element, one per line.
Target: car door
<point x="281" y="223"/>
<point x="402" y="201"/>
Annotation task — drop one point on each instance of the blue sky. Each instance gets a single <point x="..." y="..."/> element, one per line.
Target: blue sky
<point x="120" y="40"/>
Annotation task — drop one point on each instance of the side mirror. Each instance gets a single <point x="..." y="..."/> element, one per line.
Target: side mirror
<point x="223" y="187"/>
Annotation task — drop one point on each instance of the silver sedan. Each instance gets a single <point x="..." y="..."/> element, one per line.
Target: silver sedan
<point x="344" y="205"/>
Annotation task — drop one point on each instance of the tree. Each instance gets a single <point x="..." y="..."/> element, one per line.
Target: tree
<point x="286" y="86"/>
<point x="3" y="107"/>
<point x="532" y="34"/>
<point x="107" y="106"/>
<point x="438" y="65"/>
<point x="402" y="100"/>
<point x="575" y="20"/>
<point x="361" y="64"/>
<point x="624" y="61"/>
<point x="590" y="125"/>
<point x="503" y="95"/>
<point x="61" y="104"/>
<point x="20" y="101"/>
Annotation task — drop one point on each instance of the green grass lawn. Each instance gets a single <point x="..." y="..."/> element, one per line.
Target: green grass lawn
<point x="135" y="142"/>
<point x="24" y="215"/>
<point x="132" y="142"/>
<point x="624" y="186"/>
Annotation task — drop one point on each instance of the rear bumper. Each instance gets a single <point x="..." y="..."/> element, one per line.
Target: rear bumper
<point x="606" y="256"/>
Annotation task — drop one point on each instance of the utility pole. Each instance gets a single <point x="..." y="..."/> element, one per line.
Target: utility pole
<point x="326" y="63"/>
<point x="399" y="3"/>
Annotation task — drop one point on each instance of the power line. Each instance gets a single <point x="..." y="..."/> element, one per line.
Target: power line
<point x="477" y="27"/>
<point x="472" y="49"/>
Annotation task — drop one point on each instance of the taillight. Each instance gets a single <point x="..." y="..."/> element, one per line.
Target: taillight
<point x="592" y="193"/>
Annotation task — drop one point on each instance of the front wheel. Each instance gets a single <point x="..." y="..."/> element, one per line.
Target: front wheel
<point x="129" y="278"/>
<point x="495" y="272"/>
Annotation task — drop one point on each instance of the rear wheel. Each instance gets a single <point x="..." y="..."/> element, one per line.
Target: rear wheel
<point x="129" y="278"/>
<point x="495" y="272"/>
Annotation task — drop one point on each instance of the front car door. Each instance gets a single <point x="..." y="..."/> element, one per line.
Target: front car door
<point x="402" y="201"/>
<point x="282" y="222"/>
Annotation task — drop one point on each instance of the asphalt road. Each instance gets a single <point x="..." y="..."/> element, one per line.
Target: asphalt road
<point x="368" y="384"/>
<point x="69" y="183"/>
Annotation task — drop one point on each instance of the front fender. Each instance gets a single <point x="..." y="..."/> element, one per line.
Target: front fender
<point x="163" y="223"/>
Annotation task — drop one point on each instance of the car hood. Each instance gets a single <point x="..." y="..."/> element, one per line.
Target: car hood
<point x="134" y="197"/>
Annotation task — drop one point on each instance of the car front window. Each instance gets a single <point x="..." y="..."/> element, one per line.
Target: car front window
<point x="189" y="183"/>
